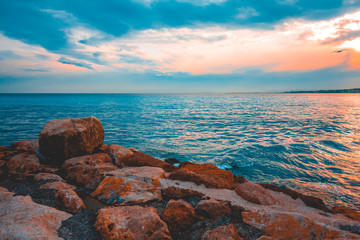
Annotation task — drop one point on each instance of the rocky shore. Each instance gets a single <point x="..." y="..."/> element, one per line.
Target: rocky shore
<point x="67" y="184"/>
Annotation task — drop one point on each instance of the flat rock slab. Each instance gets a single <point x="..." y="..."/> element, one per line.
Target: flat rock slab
<point x="21" y="218"/>
<point x="131" y="185"/>
<point x="131" y="223"/>
<point x="255" y="193"/>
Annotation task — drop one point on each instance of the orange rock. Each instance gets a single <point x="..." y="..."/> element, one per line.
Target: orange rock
<point x="7" y="154"/>
<point x="207" y="174"/>
<point x="29" y="145"/>
<point x="21" y="218"/>
<point x="178" y="193"/>
<point x="70" y="137"/>
<point x="138" y="159"/>
<point x="255" y="193"/>
<point x="293" y="226"/>
<point x="4" y="149"/>
<point x="23" y="164"/>
<point x="47" y="176"/>
<point x="57" y="186"/>
<point x="347" y="212"/>
<point x="87" y="170"/>
<point x="179" y="215"/>
<point x="131" y="223"/>
<point x="212" y="208"/>
<point x="2" y="168"/>
<point x="267" y="238"/>
<point x="131" y="185"/>
<point x="117" y="153"/>
<point x="222" y="233"/>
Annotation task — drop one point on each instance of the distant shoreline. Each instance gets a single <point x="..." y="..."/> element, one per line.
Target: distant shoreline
<point x="352" y="90"/>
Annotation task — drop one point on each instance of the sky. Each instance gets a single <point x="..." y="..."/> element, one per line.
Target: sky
<point x="178" y="46"/>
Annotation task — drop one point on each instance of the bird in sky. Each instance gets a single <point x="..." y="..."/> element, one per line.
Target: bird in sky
<point x="340" y="50"/>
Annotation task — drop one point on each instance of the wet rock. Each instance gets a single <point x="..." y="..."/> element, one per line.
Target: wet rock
<point x="222" y="233"/>
<point x="131" y="185"/>
<point x="81" y="226"/>
<point x="212" y="208"/>
<point x="71" y="137"/>
<point x="207" y="174"/>
<point x="139" y="159"/>
<point x="240" y="179"/>
<point x="21" y="218"/>
<point x="131" y="222"/>
<point x="87" y="170"/>
<point x="255" y="193"/>
<point x="293" y="226"/>
<point x="179" y="215"/>
<point x="180" y="193"/>
<point x="23" y="165"/>
<point x="347" y="212"/>
<point x="29" y="145"/>
<point x="47" y="176"/>
<point x="172" y="161"/>
<point x="117" y="153"/>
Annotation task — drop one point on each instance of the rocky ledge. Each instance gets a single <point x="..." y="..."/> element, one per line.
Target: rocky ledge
<point x="67" y="184"/>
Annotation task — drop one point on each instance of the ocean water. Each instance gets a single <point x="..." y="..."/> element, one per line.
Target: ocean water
<point x="307" y="142"/>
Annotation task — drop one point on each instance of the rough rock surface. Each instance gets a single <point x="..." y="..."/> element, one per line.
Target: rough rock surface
<point x="222" y="233"/>
<point x="347" y="212"/>
<point x="87" y="170"/>
<point x="117" y="153"/>
<point x="29" y="145"/>
<point x="179" y="215"/>
<point x="70" y="137"/>
<point x="23" y="164"/>
<point x="130" y="186"/>
<point x="21" y="218"/>
<point x="131" y="223"/>
<point x="47" y="176"/>
<point x="255" y="193"/>
<point x="207" y="174"/>
<point x="293" y="226"/>
<point x="180" y="193"/>
<point x="211" y="208"/>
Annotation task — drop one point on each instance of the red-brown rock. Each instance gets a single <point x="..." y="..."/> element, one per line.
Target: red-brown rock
<point x="212" y="208"/>
<point x="2" y="168"/>
<point x="23" y="165"/>
<point x="255" y="193"/>
<point x="6" y="155"/>
<point x="293" y="226"/>
<point x="131" y="223"/>
<point x="263" y="237"/>
<point x="57" y="186"/>
<point x="4" y="149"/>
<point x="117" y="153"/>
<point x="29" y="145"/>
<point x="87" y="170"/>
<point x="131" y="185"/>
<point x="47" y="176"/>
<point x="179" y="215"/>
<point x="70" y="137"/>
<point x="207" y="174"/>
<point x="179" y="193"/>
<point x="347" y="212"/>
<point x="222" y="233"/>
<point x="21" y="218"/>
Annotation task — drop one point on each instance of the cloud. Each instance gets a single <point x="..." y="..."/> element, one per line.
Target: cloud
<point x="82" y="64"/>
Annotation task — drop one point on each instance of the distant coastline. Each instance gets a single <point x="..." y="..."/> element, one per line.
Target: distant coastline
<point x="352" y="90"/>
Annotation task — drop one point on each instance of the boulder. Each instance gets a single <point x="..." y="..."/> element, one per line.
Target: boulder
<point x="255" y="193"/>
<point x="29" y="145"/>
<point x="57" y="186"/>
<point x="222" y="233"/>
<point x="180" y="193"/>
<point x="263" y="237"/>
<point x="47" y="176"/>
<point x="179" y="215"/>
<point x="293" y="226"/>
<point x="2" y="168"/>
<point x="21" y="218"/>
<point x="117" y="153"/>
<point x="172" y="161"/>
<point x="207" y="174"/>
<point x="70" y="137"/>
<point x="23" y="165"/>
<point x="131" y="185"/>
<point x="211" y="208"/>
<point x="131" y="223"/>
<point x="87" y="170"/>
<point x="347" y="212"/>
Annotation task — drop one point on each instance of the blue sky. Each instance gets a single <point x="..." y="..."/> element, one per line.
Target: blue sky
<point x="178" y="46"/>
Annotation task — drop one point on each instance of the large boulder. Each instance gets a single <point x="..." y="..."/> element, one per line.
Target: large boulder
<point x="222" y="233"/>
<point x="211" y="208"/>
<point x="179" y="215"/>
<point x="21" y="218"/>
<point x="255" y="193"/>
<point x="207" y="174"/>
<point x="23" y="165"/>
<point x="131" y="223"/>
<point x="70" y="137"/>
<point x="87" y="170"/>
<point x="131" y="185"/>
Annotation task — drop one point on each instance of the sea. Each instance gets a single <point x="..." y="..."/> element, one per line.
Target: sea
<point x="306" y="142"/>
